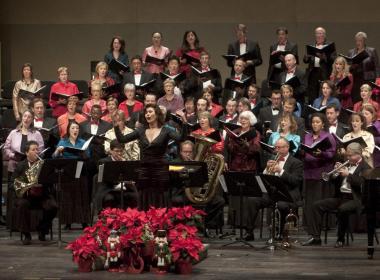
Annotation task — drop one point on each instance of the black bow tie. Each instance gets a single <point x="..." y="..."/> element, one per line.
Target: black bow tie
<point x="275" y="109"/>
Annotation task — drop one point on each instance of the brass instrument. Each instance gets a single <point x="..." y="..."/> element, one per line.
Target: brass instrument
<point x="28" y="181"/>
<point x="215" y="165"/>
<point x="290" y="229"/>
<point x="270" y="170"/>
<point x="333" y="173"/>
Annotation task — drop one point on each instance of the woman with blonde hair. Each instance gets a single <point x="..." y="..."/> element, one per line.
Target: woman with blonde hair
<point x="340" y="72"/>
<point x="366" y="95"/>
<point x="101" y="76"/>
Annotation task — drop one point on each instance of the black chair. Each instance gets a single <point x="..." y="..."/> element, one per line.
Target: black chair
<point x="326" y="228"/>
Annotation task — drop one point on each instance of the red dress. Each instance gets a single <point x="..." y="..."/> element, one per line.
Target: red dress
<point x="184" y="67"/>
<point x="358" y="106"/>
<point x="345" y="92"/>
<point x="68" y="88"/>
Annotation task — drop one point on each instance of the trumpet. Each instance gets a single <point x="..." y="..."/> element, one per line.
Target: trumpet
<point x="333" y="173"/>
<point x="270" y="169"/>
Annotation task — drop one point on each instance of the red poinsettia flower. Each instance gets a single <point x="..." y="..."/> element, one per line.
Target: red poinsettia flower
<point x="132" y="237"/>
<point x="158" y="218"/>
<point x="185" y="248"/>
<point x="182" y="231"/>
<point x="133" y="217"/>
<point x="86" y="246"/>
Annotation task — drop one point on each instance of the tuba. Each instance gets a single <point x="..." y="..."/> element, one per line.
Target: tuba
<point x="215" y="166"/>
<point x="29" y="181"/>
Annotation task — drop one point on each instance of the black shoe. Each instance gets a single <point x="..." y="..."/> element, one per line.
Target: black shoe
<point x="27" y="238"/>
<point x="339" y="244"/>
<point x="41" y="236"/>
<point x="84" y="225"/>
<point x="249" y="237"/>
<point x="313" y="242"/>
<point x="67" y="227"/>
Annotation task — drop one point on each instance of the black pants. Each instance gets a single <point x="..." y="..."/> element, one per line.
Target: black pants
<point x="345" y="207"/>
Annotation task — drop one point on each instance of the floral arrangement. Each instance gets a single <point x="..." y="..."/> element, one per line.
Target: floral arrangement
<point x="138" y="229"/>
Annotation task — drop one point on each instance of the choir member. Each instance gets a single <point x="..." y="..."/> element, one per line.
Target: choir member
<point x="190" y="46"/>
<point x="231" y="114"/>
<point x="327" y="97"/>
<point x="130" y="150"/>
<point x="315" y="163"/>
<point x="367" y="70"/>
<point x="287" y="92"/>
<point x="292" y="70"/>
<point x="112" y="106"/>
<point x="319" y="67"/>
<point x="153" y="139"/>
<point x="214" y="109"/>
<point x="75" y="197"/>
<point x="189" y="111"/>
<point x="290" y="171"/>
<point x="255" y="100"/>
<point x="130" y="106"/>
<point x="282" y="45"/>
<point x="366" y="96"/>
<point x="96" y="98"/>
<point x="158" y="51"/>
<point x="334" y="126"/>
<point x="289" y="106"/>
<point x="244" y="46"/>
<point x="117" y="52"/>
<point x="27" y="82"/>
<point x="287" y="130"/>
<point x="358" y="126"/>
<point x="62" y="86"/>
<point x="270" y="114"/>
<point x="22" y="219"/>
<point x="171" y="101"/>
<point x="373" y="126"/>
<point x="346" y="200"/>
<point x="70" y="115"/>
<point x="340" y="71"/>
<point x="102" y="76"/>
<point x="238" y="90"/>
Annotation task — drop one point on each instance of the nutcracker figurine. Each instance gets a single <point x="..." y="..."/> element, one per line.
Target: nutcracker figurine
<point x="113" y="252"/>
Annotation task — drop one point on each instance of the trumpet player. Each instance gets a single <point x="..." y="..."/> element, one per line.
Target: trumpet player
<point x="347" y="198"/>
<point x="22" y="216"/>
<point x="290" y="170"/>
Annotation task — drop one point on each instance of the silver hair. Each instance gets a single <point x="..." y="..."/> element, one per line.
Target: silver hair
<point x="250" y="116"/>
<point x="129" y="86"/>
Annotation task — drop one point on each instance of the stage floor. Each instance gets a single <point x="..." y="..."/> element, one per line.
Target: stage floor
<point x="46" y="261"/>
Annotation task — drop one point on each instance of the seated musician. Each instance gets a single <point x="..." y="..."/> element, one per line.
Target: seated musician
<point x="38" y="197"/>
<point x="347" y="197"/>
<point x="290" y="170"/>
<point x="214" y="208"/>
<point x="108" y="195"/>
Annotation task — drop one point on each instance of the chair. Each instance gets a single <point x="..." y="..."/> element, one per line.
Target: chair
<point x="325" y="227"/>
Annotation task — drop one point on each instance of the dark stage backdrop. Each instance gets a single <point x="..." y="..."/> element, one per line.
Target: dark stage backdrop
<point x="53" y="33"/>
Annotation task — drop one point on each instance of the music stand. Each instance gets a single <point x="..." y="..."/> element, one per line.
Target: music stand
<point x="242" y="184"/>
<point x="58" y="171"/>
<point x="119" y="172"/>
<point x="277" y="191"/>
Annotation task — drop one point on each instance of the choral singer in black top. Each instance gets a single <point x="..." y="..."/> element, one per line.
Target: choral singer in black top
<point x="153" y="139"/>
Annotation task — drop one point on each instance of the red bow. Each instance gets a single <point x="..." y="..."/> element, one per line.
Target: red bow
<point x="95" y="122"/>
<point x="334" y="124"/>
<point x="39" y="119"/>
<point x="228" y="116"/>
<point x="237" y="78"/>
<point x="137" y="72"/>
<point x="292" y="71"/>
<point x="253" y="101"/>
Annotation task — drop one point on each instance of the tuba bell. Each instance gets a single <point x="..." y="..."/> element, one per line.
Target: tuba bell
<point x="28" y="181"/>
<point x="215" y="166"/>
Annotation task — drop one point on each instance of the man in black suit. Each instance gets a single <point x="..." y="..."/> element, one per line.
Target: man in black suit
<point x="47" y="126"/>
<point x="319" y="67"/>
<point x="138" y="77"/>
<point x="255" y="100"/>
<point x="282" y="44"/>
<point x="33" y="199"/>
<point x="242" y="46"/>
<point x="271" y="113"/>
<point x="347" y="199"/>
<point x="333" y="125"/>
<point x="290" y="171"/>
<point x="238" y="89"/>
<point x="292" y="70"/>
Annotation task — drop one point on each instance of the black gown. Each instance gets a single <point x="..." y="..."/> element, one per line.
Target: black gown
<point x="153" y="182"/>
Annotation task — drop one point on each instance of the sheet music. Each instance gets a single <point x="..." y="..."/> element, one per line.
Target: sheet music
<point x="261" y="184"/>
<point x="78" y="171"/>
<point x="222" y="182"/>
<point x="87" y="143"/>
<point x="207" y="83"/>
<point x="100" y="174"/>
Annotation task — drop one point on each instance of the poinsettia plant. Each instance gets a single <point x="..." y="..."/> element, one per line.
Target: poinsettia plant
<point x="85" y="247"/>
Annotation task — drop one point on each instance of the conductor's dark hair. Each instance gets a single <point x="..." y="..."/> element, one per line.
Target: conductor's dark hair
<point x="122" y="43"/>
<point x="160" y="116"/>
<point x="29" y="144"/>
<point x="116" y="145"/>
<point x="185" y="44"/>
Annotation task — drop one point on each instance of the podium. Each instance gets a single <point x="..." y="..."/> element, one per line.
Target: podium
<point x="58" y="171"/>
<point x="242" y="184"/>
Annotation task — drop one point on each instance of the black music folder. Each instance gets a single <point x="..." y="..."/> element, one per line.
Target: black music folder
<point x="231" y="83"/>
<point x="108" y="90"/>
<point x="246" y="136"/>
<point x="374" y="86"/>
<point x="373" y="130"/>
<point x="294" y="82"/>
<point x="356" y="59"/>
<point x="271" y="149"/>
<point x="322" y="145"/>
<point x="155" y="60"/>
<point x="215" y="135"/>
<point x="75" y="150"/>
<point x="177" y="78"/>
<point x="208" y="75"/>
<point x="190" y="59"/>
<point x="30" y="95"/>
<point x="117" y="66"/>
<point x="229" y="125"/>
<point x="146" y="85"/>
<point x="347" y="142"/>
<point x="177" y="119"/>
<point x="232" y="57"/>
<point x="314" y="51"/>
<point x="277" y="57"/>
<point x="343" y="82"/>
<point x="317" y="110"/>
<point x="57" y="95"/>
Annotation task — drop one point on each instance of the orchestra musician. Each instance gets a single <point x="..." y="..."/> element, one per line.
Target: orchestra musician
<point x="27" y="82"/>
<point x="156" y="50"/>
<point x="62" y="86"/>
<point x="347" y="198"/>
<point x="38" y="198"/>
<point x="315" y="162"/>
<point x="117" y="52"/>
<point x="242" y="46"/>
<point x="290" y="170"/>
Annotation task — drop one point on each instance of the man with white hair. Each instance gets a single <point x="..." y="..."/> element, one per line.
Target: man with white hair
<point x="368" y="69"/>
<point x="348" y="182"/>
